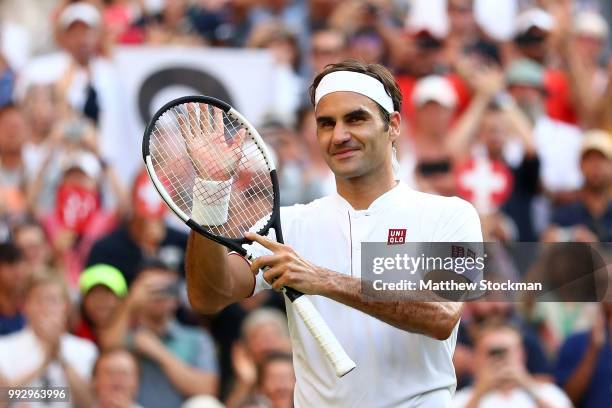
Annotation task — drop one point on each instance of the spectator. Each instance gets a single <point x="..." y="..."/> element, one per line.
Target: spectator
<point x="463" y="28"/>
<point x="29" y="236"/>
<point x="176" y="362"/>
<point x="427" y="160"/>
<point x="43" y="354"/>
<point x="583" y="367"/>
<point x="78" y="218"/>
<point x="277" y="380"/>
<point x="115" y="379"/>
<point x="537" y="33"/>
<point x="589" y="219"/>
<point x="487" y="131"/>
<point x="102" y="288"/>
<point x="582" y="42"/>
<point x="120" y="17"/>
<point x="13" y="275"/>
<point x="283" y="46"/>
<point x="172" y="25"/>
<point x="39" y="106"/>
<point x="369" y="46"/>
<point x="13" y="135"/>
<point x="421" y="53"/>
<point x="480" y="314"/>
<point x="327" y="46"/>
<point x="501" y="378"/>
<point x="557" y="143"/>
<point x="296" y="180"/>
<point x="86" y="83"/>
<point x="143" y="236"/>
<point x="264" y="332"/>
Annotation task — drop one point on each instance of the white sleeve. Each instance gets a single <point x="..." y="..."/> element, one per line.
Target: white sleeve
<point x="461" y="398"/>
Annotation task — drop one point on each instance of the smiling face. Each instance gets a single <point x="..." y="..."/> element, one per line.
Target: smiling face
<point x="353" y="137"/>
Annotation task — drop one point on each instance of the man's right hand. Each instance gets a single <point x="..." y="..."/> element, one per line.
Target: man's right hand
<point x="212" y="157"/>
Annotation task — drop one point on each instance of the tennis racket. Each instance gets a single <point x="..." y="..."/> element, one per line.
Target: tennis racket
<point x="214" y="171"/>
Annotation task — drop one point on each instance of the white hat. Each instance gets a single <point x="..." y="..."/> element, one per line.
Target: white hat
<point x="434" y="88"/>
<point x="83" y="12"/>
<point x="85" y="161"/>
<point x="534" y="17"/>
<point x="591" y="24"/>
<point x="598" y="140"/>
<point x="202" y="401"/>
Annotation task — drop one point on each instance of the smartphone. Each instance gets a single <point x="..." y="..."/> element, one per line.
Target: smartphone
<point x="171" y="290"/>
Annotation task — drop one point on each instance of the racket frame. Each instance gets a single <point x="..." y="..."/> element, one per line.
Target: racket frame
<point x="233" y="244"/>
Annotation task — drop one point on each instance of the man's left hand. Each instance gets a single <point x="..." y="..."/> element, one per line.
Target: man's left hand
<point x="287" y="268"/>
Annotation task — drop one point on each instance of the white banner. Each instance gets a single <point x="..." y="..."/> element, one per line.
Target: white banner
<point x="152" y="76"/>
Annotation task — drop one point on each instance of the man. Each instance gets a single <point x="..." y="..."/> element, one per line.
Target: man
<point x="534" y="39"/>
<point x="277" y="380"/>
<point x="13" y="274"/>
<point x="115" y="379"/>
<point x="403" y="350"/>
<point x="583" y="367"/>
<point x="176" y="361"/>
<point x="13" y="135"/>
<point x="501" y="378"/>
<point x="557" y="143"/>
<point x="86" y="82"/>
<point x="43" y="354"/>
<point x="435" y="102"/>
<point x="263" y="333"/>
<point x="590" y="218"/>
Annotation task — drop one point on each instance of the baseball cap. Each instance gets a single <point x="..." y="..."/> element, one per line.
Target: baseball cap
<point x="531" y="18"/>
<point x="525" y="72"/>
<point x="106" y="275"/>
<point x="83" y="12"/>
<point x="598" y="140"/>
<point x="84" y="161"/>
<point x="434" y="88"/>
<point x="590" y="24"/>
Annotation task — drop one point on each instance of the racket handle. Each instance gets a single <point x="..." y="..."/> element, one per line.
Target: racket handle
<point x="334" y="352"/>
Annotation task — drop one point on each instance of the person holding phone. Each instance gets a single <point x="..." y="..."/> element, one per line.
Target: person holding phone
<point x="501" y="378"/>
<point x="176" y="362"/>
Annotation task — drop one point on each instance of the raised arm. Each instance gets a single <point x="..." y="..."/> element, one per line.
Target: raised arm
<point x="214" y="278"/>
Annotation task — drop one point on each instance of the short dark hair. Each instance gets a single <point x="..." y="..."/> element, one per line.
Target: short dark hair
<point x="10" y="254"/>
<point x="376" y="71"/>
<point x="270" y="358"/>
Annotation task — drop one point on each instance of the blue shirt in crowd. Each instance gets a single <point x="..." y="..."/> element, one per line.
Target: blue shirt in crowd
<point x="599" y="392"/>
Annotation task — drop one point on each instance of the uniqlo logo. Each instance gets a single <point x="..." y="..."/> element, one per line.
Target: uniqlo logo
<point x="396" y="236"/>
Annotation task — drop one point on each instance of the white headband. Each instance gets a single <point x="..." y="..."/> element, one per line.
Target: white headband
<point x="349" y="81"/>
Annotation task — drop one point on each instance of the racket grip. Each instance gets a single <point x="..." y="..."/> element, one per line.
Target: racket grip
<point x="321" y="332"/>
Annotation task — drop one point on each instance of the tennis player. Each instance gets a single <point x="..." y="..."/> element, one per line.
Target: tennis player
<point x="403" y="350"/>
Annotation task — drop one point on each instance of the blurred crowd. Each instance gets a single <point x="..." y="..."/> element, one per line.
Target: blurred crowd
<point x="92" y="289"/>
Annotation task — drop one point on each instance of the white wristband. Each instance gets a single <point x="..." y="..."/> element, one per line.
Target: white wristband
<point x="211" y="201"/>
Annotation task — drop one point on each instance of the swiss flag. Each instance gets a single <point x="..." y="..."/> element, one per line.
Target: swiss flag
<point x="485" y="183"/>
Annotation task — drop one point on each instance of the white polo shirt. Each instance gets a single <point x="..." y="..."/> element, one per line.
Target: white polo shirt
<point x="395" y="368"/>
<point x="21" y="353"/>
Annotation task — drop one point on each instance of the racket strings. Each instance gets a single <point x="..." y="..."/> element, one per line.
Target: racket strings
<point x="192" y="142"/>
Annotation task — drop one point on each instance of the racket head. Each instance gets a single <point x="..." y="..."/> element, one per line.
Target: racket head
<point x="194" y="138"/>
